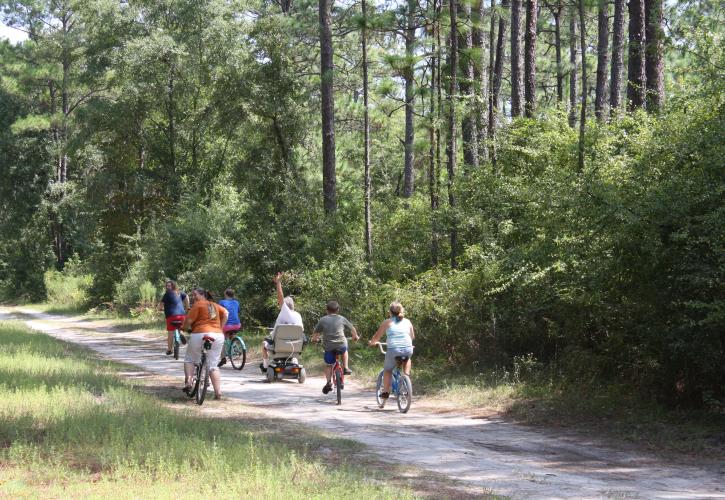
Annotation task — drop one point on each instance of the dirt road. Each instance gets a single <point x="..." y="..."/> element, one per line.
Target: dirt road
<point x="487" y="454"/>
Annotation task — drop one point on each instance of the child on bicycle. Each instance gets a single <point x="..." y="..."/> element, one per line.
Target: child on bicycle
<point x="333" y="328"/>
<point x="234" y="323"/>
<point x="400" y="336"/>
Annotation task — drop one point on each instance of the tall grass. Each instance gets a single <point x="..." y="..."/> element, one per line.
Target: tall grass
<point x="70" y="426"/>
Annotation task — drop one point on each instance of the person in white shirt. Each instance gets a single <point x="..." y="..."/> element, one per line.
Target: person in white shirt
<point x="287" y="316"/>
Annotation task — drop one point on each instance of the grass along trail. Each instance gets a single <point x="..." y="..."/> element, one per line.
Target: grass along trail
<point x="485" y="454"/>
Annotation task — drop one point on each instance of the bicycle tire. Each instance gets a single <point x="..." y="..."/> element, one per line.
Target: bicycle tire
<point x="270" y="375"/>
<point x="405" y="393"/>
<point x="195" y="381"/>
<point x="338" y="386"/>
<point x="237" y="354"/>
<point x="302" y="377"/>
<point x="379" y="390"/>
<point x="176" y="345"/>
<point x="203" y="380"/>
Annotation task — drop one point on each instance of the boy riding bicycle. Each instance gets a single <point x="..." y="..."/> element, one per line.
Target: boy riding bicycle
<point x="333" y="328"/>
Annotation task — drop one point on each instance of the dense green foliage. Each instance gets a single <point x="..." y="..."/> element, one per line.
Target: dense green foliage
<point x="194" y="154"/>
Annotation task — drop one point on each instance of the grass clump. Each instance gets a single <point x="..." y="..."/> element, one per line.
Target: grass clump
<point x="70" y="426"/>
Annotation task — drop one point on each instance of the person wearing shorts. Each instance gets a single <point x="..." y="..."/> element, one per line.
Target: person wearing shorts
<point x="205" y="318"/>
<point x="333" y="327"/>
<point x="175" y="304"/>
<point x="234" y="323"/>
<point x="400" y="335"/>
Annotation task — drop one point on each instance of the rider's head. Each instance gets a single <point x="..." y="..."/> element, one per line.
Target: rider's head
<point x="397" y="310"/>
<point x="332" y="307"/>
<point x="290" y="302"/>
<point x="229" y="293"/>
<point x="171" y="285"/>
<point x="199" y="293"/>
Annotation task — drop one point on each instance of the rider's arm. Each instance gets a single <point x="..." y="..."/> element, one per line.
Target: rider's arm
<point x="278" y="286"/>
<point x="185" y="301"/>
<point x="355" y="336"/>
<point x="412" y="332"/>
<point x="316" y="332"/>
<point x="190" y="318"/>
<point x="381" y="330"/>
<point x="223" y="316"/>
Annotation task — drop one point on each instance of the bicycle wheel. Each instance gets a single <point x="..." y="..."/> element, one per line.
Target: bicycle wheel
<point x="203" y="380"/>
<point x="195" y="381"/>
<point x="338" y="385"/>
<point x="176" y="344"/>
<point x="378" y="390"/>
<point x="237" y="354"/>
<point x="405" y="393"/>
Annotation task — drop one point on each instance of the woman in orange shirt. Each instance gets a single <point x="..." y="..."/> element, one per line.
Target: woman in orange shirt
<point x="204" y="318"/>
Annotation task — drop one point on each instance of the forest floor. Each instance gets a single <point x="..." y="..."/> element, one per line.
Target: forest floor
<point x="480" y="451"/>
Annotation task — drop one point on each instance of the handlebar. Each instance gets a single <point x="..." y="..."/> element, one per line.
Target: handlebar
<point x="380" y="346"/>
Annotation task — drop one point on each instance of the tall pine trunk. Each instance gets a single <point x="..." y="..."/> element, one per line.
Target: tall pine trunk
<point x="517" y="75"/>
<point x="654" y="55"/>
<point x="434" y="136"/>
<point x="583" y="116"/>
<point x="480" y="78"/>
<point x="408" y="172"/>
<point x="600" y="96"/>
<point x="329" y="181"/>
<point x="557" y="47"/>
<point x="573" y="67"/>
<point x="530" y="57"/>
<point x="500" y="52"/>
<point x="615" y="85"/>
<point x="452" y="146"/>
<point x="636" y="64"/>
<point x="366" y="139"/>
<point x="469" y="130"/>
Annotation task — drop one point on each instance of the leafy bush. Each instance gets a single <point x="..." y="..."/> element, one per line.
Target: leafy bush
<point x="68" y="288"/>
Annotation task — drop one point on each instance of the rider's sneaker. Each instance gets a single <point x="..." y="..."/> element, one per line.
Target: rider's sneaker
<point x="182" y="339"/>
<point x="327" y="388"/>
<point x="221" y="363"/>
<point x="347" y="371"/>
<point x="384" y="398"/>
<point x="168" y="353"/>
<point x="261" y="367"/>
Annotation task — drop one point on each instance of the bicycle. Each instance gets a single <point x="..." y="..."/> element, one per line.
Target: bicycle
<point x="338" y="376"/>
<point x="400" y="385"/>
<point x="200" y="381"/>
<point x="235" y="349"/>
<point x="177" y="337"/>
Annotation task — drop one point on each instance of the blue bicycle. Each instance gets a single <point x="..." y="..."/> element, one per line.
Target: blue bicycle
<point x="400" y="386"/>
<point x="179" y="338"/>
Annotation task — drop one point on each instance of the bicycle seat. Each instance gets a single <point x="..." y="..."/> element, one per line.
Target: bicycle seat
<point x="232" y="332"/>
<point x="207" y="338"/>
<point x="402" y="359"/>
<point x="177" y="322"/>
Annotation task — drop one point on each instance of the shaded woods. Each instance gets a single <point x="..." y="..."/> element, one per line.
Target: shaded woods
<point x="529" y="177"/>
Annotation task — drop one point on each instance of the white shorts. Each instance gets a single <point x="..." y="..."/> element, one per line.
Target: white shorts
<point x="193" y="349"/>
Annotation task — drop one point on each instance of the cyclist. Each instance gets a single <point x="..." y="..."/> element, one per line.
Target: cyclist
<point x="204" y="318"/>
<point x="333" y="328"/>
<point x="400" y="335"/>
<point x="234" y="324"/>
<point x="175" y="304"/>
<point x="287" y="316"/>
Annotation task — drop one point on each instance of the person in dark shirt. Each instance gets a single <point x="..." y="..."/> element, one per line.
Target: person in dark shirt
<point x="175" y="304"/>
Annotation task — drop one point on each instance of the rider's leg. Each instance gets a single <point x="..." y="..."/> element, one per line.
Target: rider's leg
<point x="188" y="373"/>
<point x="345" y="360"/>
<point x="387" y="375"/>
<point x="216" y="382"/>
<point x="406" y="367"/>
<point x="169" y="340"/>
<point x="328" y="373"/>
<point x="265" y="355"/>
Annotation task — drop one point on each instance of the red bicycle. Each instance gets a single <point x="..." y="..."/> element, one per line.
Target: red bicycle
<point x="338" y="376"/>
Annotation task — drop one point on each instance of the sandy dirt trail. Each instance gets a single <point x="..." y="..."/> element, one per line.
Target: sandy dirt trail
<point x="486" y="454"/>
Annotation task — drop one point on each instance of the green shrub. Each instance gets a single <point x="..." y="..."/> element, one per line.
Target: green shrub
<point x="68" y="288"/>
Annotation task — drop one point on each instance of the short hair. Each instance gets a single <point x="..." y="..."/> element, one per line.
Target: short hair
<point x="333" y="306"/>
<point x="290" y="302"/>
<point x="229" y="292"/>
